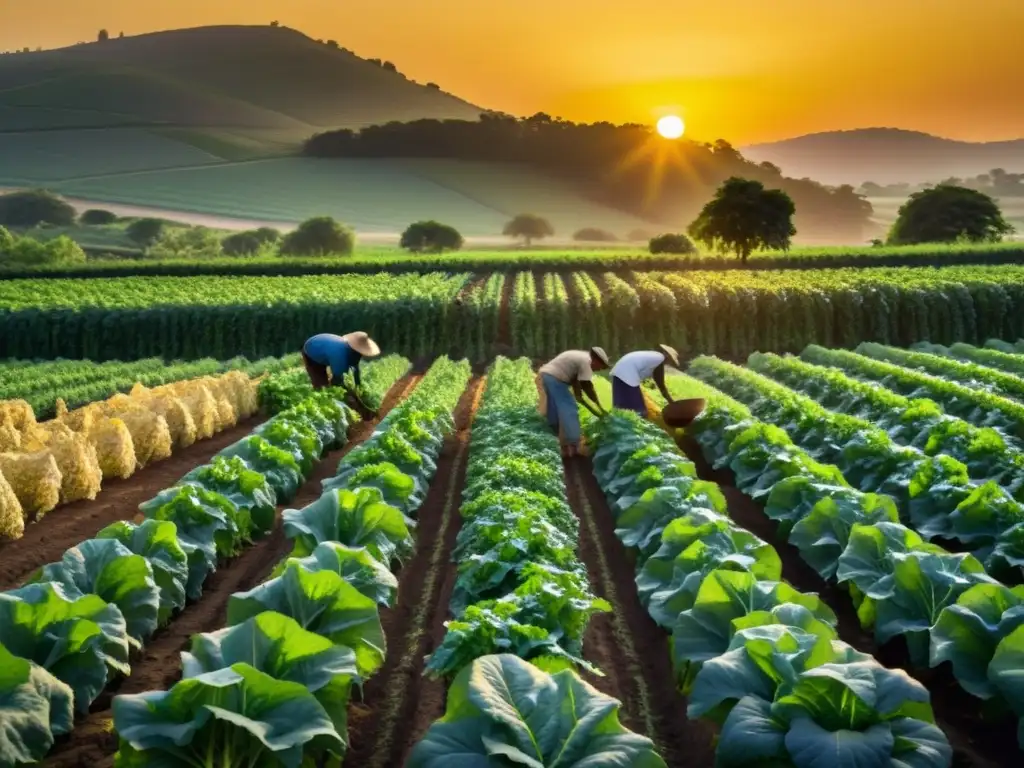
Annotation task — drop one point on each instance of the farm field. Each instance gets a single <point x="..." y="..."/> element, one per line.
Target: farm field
<point x="535" y="313"/>
<point x="857" y="509"/>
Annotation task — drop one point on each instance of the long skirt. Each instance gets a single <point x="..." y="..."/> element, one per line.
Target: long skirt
<point x="628" y="398"/>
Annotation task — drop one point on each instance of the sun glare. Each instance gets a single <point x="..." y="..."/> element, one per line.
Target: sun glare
<point x="671" y="126"/>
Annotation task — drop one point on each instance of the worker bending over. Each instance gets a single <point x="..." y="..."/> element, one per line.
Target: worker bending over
<point x="573" y="368"/>
<point x="339" y="353"/>
<point x="636" y="367"/>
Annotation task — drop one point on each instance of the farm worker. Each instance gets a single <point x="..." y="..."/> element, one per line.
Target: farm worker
<point x="573" y="368"/>
<point x="340" y="353"/>
<point x="634" y="368"/>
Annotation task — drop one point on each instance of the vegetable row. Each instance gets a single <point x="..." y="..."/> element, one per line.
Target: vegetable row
<point x="754" y="655"/>
<point x="520" y="605"/>
<point x="295" y="645"/>
<point x="944" y="605"/>
<point x="76" y="622"/>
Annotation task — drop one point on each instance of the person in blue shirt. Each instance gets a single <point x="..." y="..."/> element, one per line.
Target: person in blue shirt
<point x="339" y="353"/>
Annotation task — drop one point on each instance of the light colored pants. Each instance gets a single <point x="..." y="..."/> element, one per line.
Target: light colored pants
<point x="560" y="408"/>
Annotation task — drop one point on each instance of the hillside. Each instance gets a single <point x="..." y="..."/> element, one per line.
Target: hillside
<point x="886" y="156"/>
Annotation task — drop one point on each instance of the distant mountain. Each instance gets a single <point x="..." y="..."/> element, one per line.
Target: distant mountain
<point x="886" y="156"/>
<point x="235" y="78"/>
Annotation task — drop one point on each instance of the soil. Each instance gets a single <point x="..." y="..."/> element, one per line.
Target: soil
<point x="976" y="742"/>
<point x="399" y="703"/>
<point x="626" y="644"/>
<point x="67" y="525"/>
<point x="158" y="666"/>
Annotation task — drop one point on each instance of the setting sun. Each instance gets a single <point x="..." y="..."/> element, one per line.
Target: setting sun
<point x="671" y="126"/>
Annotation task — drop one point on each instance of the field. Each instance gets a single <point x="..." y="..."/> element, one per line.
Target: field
<point x="816" y="554"/>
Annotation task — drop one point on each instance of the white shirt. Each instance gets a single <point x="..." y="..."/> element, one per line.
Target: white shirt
<point x="570" y="366"/>
<point x="637" y="366"/>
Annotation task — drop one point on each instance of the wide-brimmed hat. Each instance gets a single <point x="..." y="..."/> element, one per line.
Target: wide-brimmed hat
<point x="600" y="354"/>
<point x="671" y="354"/>
<point x="362" y="343"/>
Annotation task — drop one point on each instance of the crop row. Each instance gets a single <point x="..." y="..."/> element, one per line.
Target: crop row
<point x="730" y="314"/>
<point x="303" y="638"/>
<point x="945" y="606"/>
<point x="753" y="654"/>
<point x="74" y="626"/>
<point x="933" y="491"/>
<point x="521" y="595"/>
<point x="80" y="382"/>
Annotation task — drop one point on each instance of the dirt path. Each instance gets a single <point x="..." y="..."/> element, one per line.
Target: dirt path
<point x="399" y="703"/>
<point x="45" y="542"/>
<point x="626" y="644"/>
<point x="975" y="743"/>
<point x="93" y="741"/>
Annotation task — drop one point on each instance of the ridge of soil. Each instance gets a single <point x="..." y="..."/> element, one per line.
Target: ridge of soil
<point x="93" y="742"/>
<point x="399" y="702"/>
<point x="626" y="644"/>
<point x="976" y="743"/>
<point x="69" y="524"/>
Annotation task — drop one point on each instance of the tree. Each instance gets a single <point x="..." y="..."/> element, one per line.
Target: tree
<point x="145" y="232"/>
<point x="594" y="235"/>
<point x="97" y="217"/>
<point x="530" y="227"/>
<point x="332" y="44"/>
<point x="103" y="36"/>
<point x="319" y="236"/>
<point x="946" y="214"/>
<point x="33" y="207"/>
<point x="6" y="240"/>
<point x="250" y="241"/>
<point x="743" y="217"/>
<point x="431" y="237"/>
<point x="120" y="34"/>
<point x="186" y="243"/>
<point x="671" y="243"/>
<point x="275" y="23"/>
<point x="28" y="251"/>
<point x="389" y="66"/>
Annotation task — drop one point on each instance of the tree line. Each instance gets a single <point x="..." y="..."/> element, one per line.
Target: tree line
<point x="998" y="182"/>
<point x="624" y="166"/>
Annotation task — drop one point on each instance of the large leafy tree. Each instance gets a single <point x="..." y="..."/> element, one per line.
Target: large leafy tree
<point x="529" y="227"/>
<point x="743" y="217"/>
<point x="431" y="236"/>
<point x="947" y="213"/>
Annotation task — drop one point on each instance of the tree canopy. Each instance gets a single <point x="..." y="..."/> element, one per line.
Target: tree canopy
<point x="744" y="217"/>
<point x="529" y="227"/>
<point x="626" y="166"/>
<point x="946" y="214"/>
<point x="319" y="236"/>
<point x="29" y="208"/>
<point x="431" y="237"/>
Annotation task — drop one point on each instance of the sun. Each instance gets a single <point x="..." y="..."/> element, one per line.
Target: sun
<point x="671" y="126"/>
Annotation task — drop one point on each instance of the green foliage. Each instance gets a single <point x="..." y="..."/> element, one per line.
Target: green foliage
<point x="528" y="227"/>
<point x="503" y="706"/>
<point x="146" y="231"/>
<point x="671" y="243"/>
<point x="947" y="214"/>
<point x="593" y="235"/>
<point x="32" y="207"/>
<point x="319" y="236"/>
<point x="97" y="217"/>
<point x="185" y="243"/>
<point x="28" y="251"/>
<point x="744" y="217"/>
<point x="35" y="707"/>
<point x="250" y="242"/>
<point x="430" y="237"/>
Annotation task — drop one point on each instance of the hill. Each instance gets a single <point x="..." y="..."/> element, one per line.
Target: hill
<point x="886" y="156"/>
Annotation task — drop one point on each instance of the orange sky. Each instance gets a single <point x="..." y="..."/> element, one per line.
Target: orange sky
<point x="744" y="70"/>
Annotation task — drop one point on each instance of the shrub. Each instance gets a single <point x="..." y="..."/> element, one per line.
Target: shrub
<point x="671" y="243"/>
<point x="244" y="243"/>
<point x="529" y="227"/>
<point x="28" y="251"/>
<point x="319" y="236"/>
<point x="6" y="240"/>
<point x="431" y="237"/>
<point x="33" y="207"/>
<point x="594" y="235"/>
<point x="267" y="234"/>
<point x="97" y="217"/>
<point x="186" y="243"/>
<point x="145" y="232"/>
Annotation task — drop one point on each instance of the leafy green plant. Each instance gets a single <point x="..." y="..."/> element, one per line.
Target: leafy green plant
<point x="280" y="469"/>
<point x="354" y="564"/>
<point x="35" y="707"/>
<point x="501" y="708"/>
<point x="244" y="487"/>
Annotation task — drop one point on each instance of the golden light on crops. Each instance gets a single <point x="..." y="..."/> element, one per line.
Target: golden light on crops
<point x="671" y="126"/>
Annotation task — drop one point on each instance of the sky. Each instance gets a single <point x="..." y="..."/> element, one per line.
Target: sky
<point x="744" y="70"/>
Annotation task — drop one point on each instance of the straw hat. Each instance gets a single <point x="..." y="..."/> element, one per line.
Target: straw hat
<point x="670" y="354"/>
<point x="362" y="343"/>
<point x="600" y="354"/>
